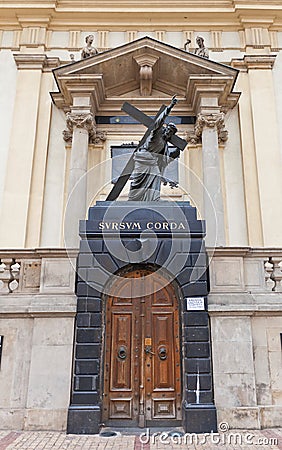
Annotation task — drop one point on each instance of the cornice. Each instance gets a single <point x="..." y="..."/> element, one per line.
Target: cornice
<point x="254" y="62"/>
<point x="36" y="61"/>
<point x="209" y="14"/>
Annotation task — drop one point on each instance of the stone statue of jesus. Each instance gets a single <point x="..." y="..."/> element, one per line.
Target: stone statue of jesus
<point x="151" y="159"/>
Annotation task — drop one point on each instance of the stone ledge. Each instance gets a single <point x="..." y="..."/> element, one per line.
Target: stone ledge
<point x="37" y="305"/>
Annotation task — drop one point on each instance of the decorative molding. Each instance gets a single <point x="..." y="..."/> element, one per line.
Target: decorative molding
<point x="160" y="35"/>
<point x="216" y="37"/>
<point x="209" y="120"/>
<point x="103" y="39"/>
<point x="74" y="37"/>
<point x="131" y="35"/>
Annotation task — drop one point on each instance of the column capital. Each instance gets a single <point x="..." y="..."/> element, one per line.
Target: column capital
<point x="81" y="120"/>
<point x="84" y="120"/>
<point x="208" y="120"/>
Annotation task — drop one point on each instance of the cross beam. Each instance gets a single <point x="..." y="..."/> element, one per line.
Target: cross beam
<point x="149" y="123"/>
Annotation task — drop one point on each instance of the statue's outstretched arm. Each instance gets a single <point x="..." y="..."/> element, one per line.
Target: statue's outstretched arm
<point x="160" y="120"/>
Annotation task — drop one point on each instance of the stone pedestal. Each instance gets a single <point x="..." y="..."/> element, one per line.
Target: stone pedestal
<point x="162" y="235"/>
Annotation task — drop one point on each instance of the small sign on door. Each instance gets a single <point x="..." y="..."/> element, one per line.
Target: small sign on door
<point x="195" y="303"/>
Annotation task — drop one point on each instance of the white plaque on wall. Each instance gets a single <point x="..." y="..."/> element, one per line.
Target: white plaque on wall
<point x="195" y="303"/>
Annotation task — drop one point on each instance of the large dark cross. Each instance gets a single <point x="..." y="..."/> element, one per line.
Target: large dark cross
<point x="149" y="123"/>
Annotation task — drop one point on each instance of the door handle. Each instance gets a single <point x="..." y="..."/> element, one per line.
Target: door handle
<point x="122" y="353"/>
<point x="148" y="350"/>
<point x="162" y="353"/>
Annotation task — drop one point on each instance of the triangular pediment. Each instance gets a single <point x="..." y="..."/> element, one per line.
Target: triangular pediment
<point x="143" y="70"/>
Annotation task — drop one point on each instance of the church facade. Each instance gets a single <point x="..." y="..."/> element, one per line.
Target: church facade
<point x="165" y="314"/>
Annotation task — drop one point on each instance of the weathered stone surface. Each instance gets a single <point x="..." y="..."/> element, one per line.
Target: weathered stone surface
<point x="52" y="366"/>
<point x="45" y="419"/>
<point x="12" y="419"/>
<point x="241" y="418"/>
<point x="271" y="416"/>
<point x="57" y="275"/>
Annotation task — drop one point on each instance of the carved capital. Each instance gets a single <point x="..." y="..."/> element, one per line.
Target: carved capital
<point x="79" y="120"/>
<point x="98" y="137"/>
<point x="210" y="120"/>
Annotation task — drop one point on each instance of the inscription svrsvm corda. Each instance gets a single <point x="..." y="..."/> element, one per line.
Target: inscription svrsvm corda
<point x="138" y="226"/>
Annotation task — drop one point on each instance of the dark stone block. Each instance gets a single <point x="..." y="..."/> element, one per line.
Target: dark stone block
<point x="81" y="304"/>
<point x="85" y="398"/>
<point x="83" y="319"/>
<point x="94" y="305"/>
<point x="85" y="260"/>
<point x="205" y="397"/>
<point x="84" y="421"/>
<point x="197" y="349"/>
<point x="163" y="252"/>
<point x="81" y="289"/>
<point x="199" y="274"/>
<point x="85" y="383"/>
<point x="195" y="289"/>
<point x="94" y="290"/>
<point x="95" y="319"/>
<point x="192" y="365"/>
<point x="82" y="274"/>
<point x="199" y="419"/>
<point x="204" y="381"/>
<point x="89" y="335"/>
<point x="196" y="334"/>
<point x="86" y="367"/>
<point x="87" y="351"/>
<point x="196" y="318"/>
<point x="106" y="262"/>
<point x="91" y="246"/>
<point x="197" y="246"/>
<point x="97" y="277"/>
<point x="198" y="259"/>
<point x="184" y="276"/>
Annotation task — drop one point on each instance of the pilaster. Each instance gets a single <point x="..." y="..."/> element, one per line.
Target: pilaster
<point x="17" y="187"/>
<point x="266" y="144"/>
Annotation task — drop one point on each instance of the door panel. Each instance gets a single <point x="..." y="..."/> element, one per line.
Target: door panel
<point x="142" y="383"/>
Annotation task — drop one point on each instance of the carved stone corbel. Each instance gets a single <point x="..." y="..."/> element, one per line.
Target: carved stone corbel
<point x="146" y="64"/>
<point x="210" y="120"/>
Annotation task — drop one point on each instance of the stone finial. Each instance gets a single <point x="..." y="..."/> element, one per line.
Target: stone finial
<point x="201" y="50"/>
<point x="89" y="50"/>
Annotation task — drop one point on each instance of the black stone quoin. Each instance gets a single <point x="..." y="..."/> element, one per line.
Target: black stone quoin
<point x="171" y="237"/>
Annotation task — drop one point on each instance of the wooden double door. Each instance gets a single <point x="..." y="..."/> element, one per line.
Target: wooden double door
<point x="142" y="370"/>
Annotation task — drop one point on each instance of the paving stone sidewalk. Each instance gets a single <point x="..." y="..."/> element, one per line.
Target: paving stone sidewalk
<point x="234" y="440"/>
